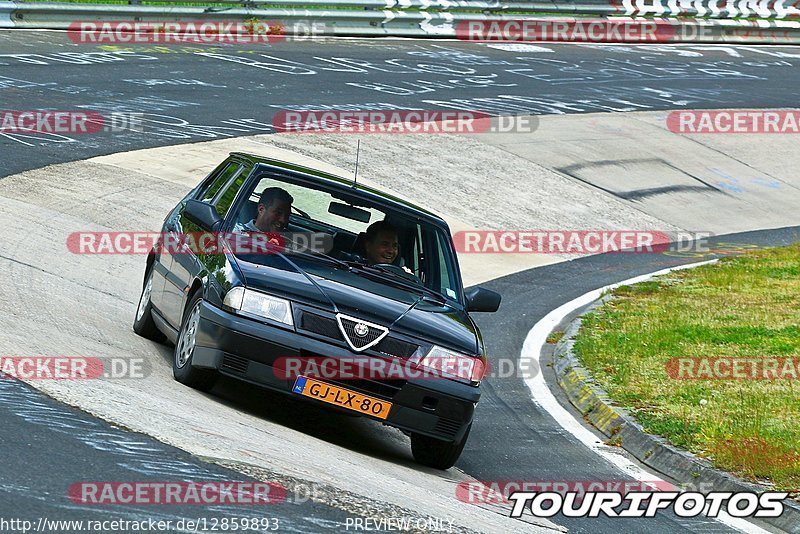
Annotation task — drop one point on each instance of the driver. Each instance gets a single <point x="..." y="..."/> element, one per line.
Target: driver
<point x="380" y="243"/>
<point x="272" y="217"/>
<point x="274" y="207"/>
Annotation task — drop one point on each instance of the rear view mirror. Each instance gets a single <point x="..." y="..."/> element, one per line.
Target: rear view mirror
<point x="480" y="299"/>
<point x="203" y="215"/>
<point x="349" y="212"/>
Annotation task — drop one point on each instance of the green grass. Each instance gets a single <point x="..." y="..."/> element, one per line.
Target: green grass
<point x="555" y="336"/>
<point x="747" y="307"/>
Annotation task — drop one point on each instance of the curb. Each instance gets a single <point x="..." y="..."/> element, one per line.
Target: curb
<point x="654" y="451"/>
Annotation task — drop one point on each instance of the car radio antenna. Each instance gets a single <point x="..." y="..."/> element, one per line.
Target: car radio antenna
<point x="355" y="174"/>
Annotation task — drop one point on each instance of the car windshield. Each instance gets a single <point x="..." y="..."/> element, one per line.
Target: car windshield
<point x="383" y="245"/>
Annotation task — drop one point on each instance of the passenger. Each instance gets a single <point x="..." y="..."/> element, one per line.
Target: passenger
<point x="380" y="243"/>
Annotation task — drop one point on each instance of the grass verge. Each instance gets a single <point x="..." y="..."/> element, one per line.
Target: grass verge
<point x="748" y="308"/>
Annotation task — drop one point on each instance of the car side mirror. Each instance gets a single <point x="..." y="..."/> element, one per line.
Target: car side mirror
<point x="203" y="215"/>
<point x="480" y="299"/>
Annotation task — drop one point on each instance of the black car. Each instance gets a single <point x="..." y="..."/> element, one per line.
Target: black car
<point x="261" y="314"/>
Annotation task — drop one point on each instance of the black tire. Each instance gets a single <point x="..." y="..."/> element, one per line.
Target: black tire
<point x="436" y="453"/>
<point x="182" y="370"/>
<point x="143" y="323"/>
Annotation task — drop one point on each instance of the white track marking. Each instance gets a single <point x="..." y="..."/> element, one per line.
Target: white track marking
<point x="519" y="47"/>
<point x="541" y="394"/>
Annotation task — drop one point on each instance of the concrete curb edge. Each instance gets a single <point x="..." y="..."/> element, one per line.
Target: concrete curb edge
<point x="654" y="451"/>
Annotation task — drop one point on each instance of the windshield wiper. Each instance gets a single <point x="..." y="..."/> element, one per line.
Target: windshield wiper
<point x="402" y="280"/>
<point x="373" y="269"/>
<point x="315" y="254"/>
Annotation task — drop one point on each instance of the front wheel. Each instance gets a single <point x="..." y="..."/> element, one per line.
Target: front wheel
<point x="436" y="453"/>
<point x="143" y="323"/>
<point x="182" y="370"/>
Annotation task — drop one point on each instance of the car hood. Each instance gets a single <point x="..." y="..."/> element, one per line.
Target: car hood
<point x="366" y="297"/>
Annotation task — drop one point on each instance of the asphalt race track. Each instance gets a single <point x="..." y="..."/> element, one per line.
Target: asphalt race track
<point x="53" y="445"/>
<point x="525" y="438"/>
<point x="191" y="94"/>
<point x="195" y="93"/>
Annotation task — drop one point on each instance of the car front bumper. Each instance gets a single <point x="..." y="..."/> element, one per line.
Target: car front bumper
<point x="246" y="349"/>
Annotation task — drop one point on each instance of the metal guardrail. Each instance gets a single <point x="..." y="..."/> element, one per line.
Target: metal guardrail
<point x="443" y="5"/>
<point x="6" y="9"/>
<point x="771" y="9"/>
<point x="767" y="21"/>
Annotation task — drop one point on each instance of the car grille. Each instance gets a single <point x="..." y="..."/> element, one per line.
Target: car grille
<point x="396" y="347"/>
<point x="327" y="327"/>
<point x="235" y="363"/>
<point x="447" y="427"/>
<point x="318" y="324"/>
<point x="359" y="342"/>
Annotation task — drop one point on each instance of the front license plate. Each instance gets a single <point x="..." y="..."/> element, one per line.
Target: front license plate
<point x="341" y="397"/>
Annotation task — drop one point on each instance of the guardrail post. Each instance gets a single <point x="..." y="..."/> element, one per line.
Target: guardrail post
<point x="6" y="12"/>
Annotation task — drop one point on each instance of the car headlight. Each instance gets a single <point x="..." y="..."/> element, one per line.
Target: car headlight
<point x="453" y="364"/>
<point x="260" y="304"/>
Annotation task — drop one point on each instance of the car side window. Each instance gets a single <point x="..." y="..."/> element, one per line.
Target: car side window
<point x="228" y="195"/>
<point x="446" y="277"/>
<point x="418" y="256"/>
<point x="217" y="182"/>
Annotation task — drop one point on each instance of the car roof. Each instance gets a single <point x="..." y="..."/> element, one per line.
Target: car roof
<point x="338" y="182"/>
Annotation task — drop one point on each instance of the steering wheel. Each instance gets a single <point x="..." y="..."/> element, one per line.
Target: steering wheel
<point x="301" y="213"/>
<point x="397" y="270"/>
